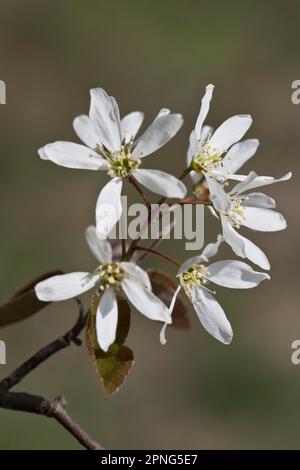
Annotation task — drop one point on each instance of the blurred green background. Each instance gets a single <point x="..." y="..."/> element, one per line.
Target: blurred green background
<point x="195" y="392"/>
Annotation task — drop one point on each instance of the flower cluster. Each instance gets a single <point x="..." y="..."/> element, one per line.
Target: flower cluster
<point x="213" y="160"/>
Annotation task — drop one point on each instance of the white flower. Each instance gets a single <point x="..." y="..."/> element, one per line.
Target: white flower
<point x="253" y="210"/>
<point x="110" y="146"/>
<point x="109" y="277"/>
<point x="195" y="275"/>
<point x="207" y="150"/>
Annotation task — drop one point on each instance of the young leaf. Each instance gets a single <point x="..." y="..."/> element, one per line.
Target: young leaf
<point x="24" y="303"/>
<point x="164" y="287"/>
<point x="113" y="366"/>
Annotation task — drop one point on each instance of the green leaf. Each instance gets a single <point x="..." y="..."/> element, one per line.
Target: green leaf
<point x="164" y="287"/>
<point x="113" y="366"/>
<point x="24" y="303"/>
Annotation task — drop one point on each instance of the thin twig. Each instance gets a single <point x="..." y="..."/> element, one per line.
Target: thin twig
<point x="158" y="253"/>
<point x="124" y="246"/>
<point x="155" y="242"/>
<point x="135" y="242"/>
<point x="134" y="182"/>
<point x="52" y="408"/>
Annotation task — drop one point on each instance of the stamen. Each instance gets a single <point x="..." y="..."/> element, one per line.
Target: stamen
<point x="123" y="165"/>
<point x="111" y="275"/>
<point x="237" y="215"/>
<point x="194" y="276"/>
<point x="208" y="159"/>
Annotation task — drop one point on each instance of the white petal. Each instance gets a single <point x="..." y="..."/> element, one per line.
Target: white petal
<point x="194" y="147"/>
<point x="191" y="262"/>
<point x="234" y="274"/>
<point x="212" y="248"/>
<point x="100" y="248"/>
<point x="264" y="220"/>
<point x="145" y="301"/>
<point x="205" y="103"/>
<point x="205" y="133"/>
<point x="161" y="183"/>
<point x="107" y="319"/>
<point x="238" y="155"/>
<point x="160" y="131"/>
<point x="193" y="150"/>
<point x="245" y="182"/>
<point x="73" y="155"/>
<point x="230" y="132"/>
<point x="252" y="181"/>
<point x="219" y="197"/>
<point x="109" y="207"/>
<point x="130" y="125"/>
<point x="211" y="315"/>
<point x="104" y="114"/>
<point x="65" y="286"/>
<point x="259" y="200"/>
<point x="86" y="131"/>
<point x="42" y="153"/>
<point x="163" y="112"/>
<point x="137" y="274"/>
<point x="243" y="247"/>
<point x="208" y="252"/>
<point x="162" y="335"/>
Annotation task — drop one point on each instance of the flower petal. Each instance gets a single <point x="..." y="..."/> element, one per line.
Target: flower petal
<point x="219" y="197"/>
<point x="205" y="103"/>
<point x="109" y="207"/>
<point x="238" y="155"/>
<point x="209" y="251"/>
<point x="162" y="335"/>
<point x="234" y="274"/>
<point x="160" y="131"/>
<point x="130" y="125"/>
<point x="205" y="133"/>
<point x="65" y="286"/>
<point x="264" y="220"/>
<point x="252" y="181"/>
<point x="107" y="319"/>
<point x="104" y="114"/>
<point x="145" y="301"/>
<point x="211" y="315"/>
<point x="212" y="248"/>
<point x="161" y="183"/>
<point x="193" y="150"/>
<point x="230" y="132"/>
<point x="73" y="155"/>
<point x="100" y="248"/>
<point x="137" y="274"/>
<point x="86" y="131"/>
<point x="259" y="200"/>
<point x="243" y="247"/>
<point x="42" y="153"/>
<point x="191" y="262"/>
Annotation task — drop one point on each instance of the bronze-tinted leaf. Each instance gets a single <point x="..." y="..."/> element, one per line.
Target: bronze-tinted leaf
<point x="112" y="367"/>
<point x="24" y="303"/>
<point x="164" y="287"/>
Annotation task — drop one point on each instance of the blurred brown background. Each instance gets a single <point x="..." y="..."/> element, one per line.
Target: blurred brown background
<point x="195" y="392"/>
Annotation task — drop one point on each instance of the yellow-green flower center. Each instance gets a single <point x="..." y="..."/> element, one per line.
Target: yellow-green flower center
<point x="237" y="214"/>
<point x="120" y="164"/>
<point x="193" y="277"/>
<point x="208" y="158"/>
<point x="111" y="275"/>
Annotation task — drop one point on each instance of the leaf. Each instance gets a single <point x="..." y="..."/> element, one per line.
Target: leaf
<point x="113" y="366"/>
<point x="24" y="303"/>
<point x="164" y="287"/>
